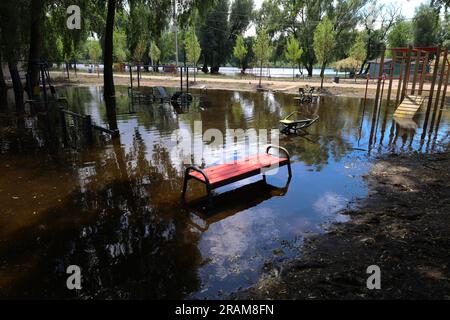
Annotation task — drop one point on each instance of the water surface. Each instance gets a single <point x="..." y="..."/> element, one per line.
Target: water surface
<point x="115" y="209"/>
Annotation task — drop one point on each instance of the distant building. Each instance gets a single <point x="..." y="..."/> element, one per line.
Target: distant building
<point x="374" y="67"/>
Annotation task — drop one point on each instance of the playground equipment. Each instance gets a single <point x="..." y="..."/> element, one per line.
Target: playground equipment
<point x="43" y="92"/>
<point x="137" y="95"/>
<point x="307" y="96"/>
<point x="158" y="94"/>
<point x="422" y="75"/>
<point x="293" y="125"/>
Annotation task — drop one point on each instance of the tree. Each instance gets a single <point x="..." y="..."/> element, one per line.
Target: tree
<point x="214" y="34"/>
<point x="94" y="51"/>
<point x="240" y="51"/>
<point x="293" y="53"/>
<point x="37" y="10"/>
<point x="120" y="45"/>
<point x="358" y="50"/>
<point x="240" y="17"/>
<point x="324" y="43"/>
<point x="425" y="26"/>
<point x="377" y="20"/>
<point x="155" y="55"/>
<point x="139" y="51"/>
<point x="262" y="50"/>
<point x="108" y="77"/>
<point x="401" y="34"/>
<point x="357" y="54"/>
<point x="12" y="42"/>
<point x="193" y="49"/>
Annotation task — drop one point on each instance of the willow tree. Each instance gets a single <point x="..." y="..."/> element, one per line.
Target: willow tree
<point x="262" y="49"/>
<point x="324" y="43"/>
<point x="293" y="53"/>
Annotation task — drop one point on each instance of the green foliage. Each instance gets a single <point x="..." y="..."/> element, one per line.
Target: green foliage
<point x="192" y="46"/>
<point x="425" y="26"/>
<point x="155" y="53"/>
<point x="293" y="51"/>
<point x="240" y="17"/>
<point x="240" y="50"/>
<point x="358" y="51"/>
<point x="139" y="51"/>
<point x="93" y="50"/>
<point x="262" y="47"/>
<point x="349" y="64"/>
<point x="214" y="35"/>
<point x="120" y="46"/>
<point x="167" y="46"/>
<point x="401" y="35"/>
<point x="324" y="41"/>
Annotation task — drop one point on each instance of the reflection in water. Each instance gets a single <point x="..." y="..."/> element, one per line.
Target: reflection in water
<point x="115" y="210"/>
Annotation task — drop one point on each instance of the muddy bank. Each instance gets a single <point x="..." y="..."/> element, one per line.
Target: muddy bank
<point x="403" y="227"/>
<point x="347" y="87"/>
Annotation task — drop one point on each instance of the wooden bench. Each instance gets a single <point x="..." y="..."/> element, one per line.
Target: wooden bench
<point x="224" y="174"/>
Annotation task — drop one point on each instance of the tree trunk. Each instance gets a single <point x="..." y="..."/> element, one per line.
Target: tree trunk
<point x="309" y="68"/>
<point x="108" y="77"/>
<point x="322" y="73"/>
<point x="17" y="86"/>
<point x="215" y="69"/>
<point x="34" y="54"/>
<point x="260" y="74"/>
<point x="3" y="87"/>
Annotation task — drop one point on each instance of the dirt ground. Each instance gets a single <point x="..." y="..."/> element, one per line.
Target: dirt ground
<point x="346" y="87"/>
<point x="403" y="227"/>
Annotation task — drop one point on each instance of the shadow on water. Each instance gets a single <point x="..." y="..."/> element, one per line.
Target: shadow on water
<point x="115" y="209"/>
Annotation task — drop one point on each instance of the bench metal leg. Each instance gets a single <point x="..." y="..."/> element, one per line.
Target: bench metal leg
<point x="289" y="169"/>
<point x="185" y="184"/>
<point x="210" y="198"/>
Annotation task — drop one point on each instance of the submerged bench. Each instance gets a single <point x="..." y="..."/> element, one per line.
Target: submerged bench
<point x="224" y="174"/>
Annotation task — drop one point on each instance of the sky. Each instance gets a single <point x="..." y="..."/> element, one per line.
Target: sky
<point x="408" y="6"/>
<point x="408" y="9"/>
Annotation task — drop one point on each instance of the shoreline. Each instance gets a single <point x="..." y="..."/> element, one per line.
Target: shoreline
<point x="346" y="87"/>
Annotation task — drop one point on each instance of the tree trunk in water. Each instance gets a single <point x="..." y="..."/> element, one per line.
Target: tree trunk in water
<point x="260" y="75"/>
<point x="3" y="88"/>
<point x="322" y="73"/>
<point x="34" y="55"/>
<point x="108" y="77"/>
<point x="17" y="86"/>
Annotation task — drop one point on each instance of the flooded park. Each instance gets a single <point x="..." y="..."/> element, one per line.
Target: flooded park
<point x="115" y="209"/>
<point x="223" y="156"/>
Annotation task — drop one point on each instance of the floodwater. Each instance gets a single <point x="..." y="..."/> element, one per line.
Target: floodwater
<point x="114" y="209"/>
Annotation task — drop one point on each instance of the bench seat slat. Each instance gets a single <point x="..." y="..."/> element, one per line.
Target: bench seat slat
<point x="250" y="166"/>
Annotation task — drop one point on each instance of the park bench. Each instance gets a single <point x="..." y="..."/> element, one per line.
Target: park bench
<point x="220" y="175"/>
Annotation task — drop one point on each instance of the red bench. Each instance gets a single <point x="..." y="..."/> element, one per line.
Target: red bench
<point x="223" y="174"/>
